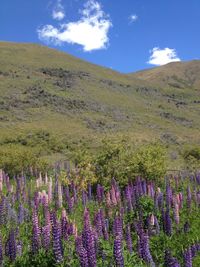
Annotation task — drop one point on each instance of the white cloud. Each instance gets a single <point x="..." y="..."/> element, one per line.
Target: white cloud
<point x="58" y="15"/>
<point x="90" y="31"/>
<point x="133" y="18"/>
<point x="58" y="12"/>
<point x="162" y="56"/>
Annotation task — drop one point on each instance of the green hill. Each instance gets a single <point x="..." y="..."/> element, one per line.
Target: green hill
<point x="50" y="96"/>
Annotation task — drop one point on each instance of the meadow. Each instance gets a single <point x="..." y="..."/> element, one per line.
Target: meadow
<point x="53" y="219"/>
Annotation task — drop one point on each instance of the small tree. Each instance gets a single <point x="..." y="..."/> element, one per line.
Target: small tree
<point x="150" y="161"/>
<point x="14" y="159"/>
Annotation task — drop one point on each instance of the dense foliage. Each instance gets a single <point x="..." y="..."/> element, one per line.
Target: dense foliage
<point x="51" y="220"/>
<point x="123" y="162"/>
<point x="15" y="159"/>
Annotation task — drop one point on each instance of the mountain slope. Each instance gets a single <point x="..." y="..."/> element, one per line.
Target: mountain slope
<point x="42" y="89"/>
<point x="175" y="74"/>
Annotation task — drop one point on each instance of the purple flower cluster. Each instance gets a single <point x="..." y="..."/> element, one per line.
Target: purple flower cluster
<point x="170" y="261"/>
<point x="118" y="254"/>
<point x="89" y="240"/>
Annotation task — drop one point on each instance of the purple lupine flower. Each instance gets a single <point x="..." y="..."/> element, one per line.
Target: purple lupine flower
<point x="139" y="191"/>
<point x="36" y="200"/>
<point x="118" y="226"/>
<point x="89" y="192"/>
<point x="197" y="247"/>
<point x="167" y="223"/>
<point x="70" y="229"/>
<point x="44" y="199"/>
<point x="117" y="252"/>
<point x="53" y="218"/>
<point x="88" y="239"/>
<point x="98" y="223"/>
<point x="187" y="258"/>
<point x="168" y="196"/>
<point x="146" y="255"/>
<point x="128" y="197"/>
<point x="129" y="238"/>
<point x="57" y="245"/>
<point x="144" y="187"/>
<point x="100" y="193"/>
<point x="46" y="236"/>
<point x="170" y="261"/>
<point x="152" y="190"/>
<point x="81" y="251"/>
<point x="104" y="224"/>
<point x="64" y="225"/>
<point x="143" y="245"/>
<point x="70" y="204"/>
<point x="160" y="200"/>
<point x="36" y="242"/>
<point x="198" y="178"/>
<point x="11" y="246"/>
<point x="193" y="250"/>
<point x="66" y="193"/>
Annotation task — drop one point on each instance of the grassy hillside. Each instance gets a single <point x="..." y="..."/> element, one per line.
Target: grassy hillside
<point x="175" y="74"/>
<point x="49" y="95"/>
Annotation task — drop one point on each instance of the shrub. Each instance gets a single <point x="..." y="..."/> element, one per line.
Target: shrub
<point x="150" y="161"/>
<point x="15" y="158"/>
<point x="123" y="162"/>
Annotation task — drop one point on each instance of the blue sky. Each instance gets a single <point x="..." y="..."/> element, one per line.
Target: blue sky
<point x="126" y="35"/>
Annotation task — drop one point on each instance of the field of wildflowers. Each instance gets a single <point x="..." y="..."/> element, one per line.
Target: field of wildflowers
<point x="46" y="222"/>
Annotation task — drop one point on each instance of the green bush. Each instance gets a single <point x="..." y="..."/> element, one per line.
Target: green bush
<point x="150" y="161"/>
<point x="123" y="162"/>
<point x="15" y="158"/>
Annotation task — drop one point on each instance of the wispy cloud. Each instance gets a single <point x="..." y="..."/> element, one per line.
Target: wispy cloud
<point x="58" y="12"/>
<point x="133" y="18"/>
<point x="162" y="56"/>
<point x="90" y="31"/>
